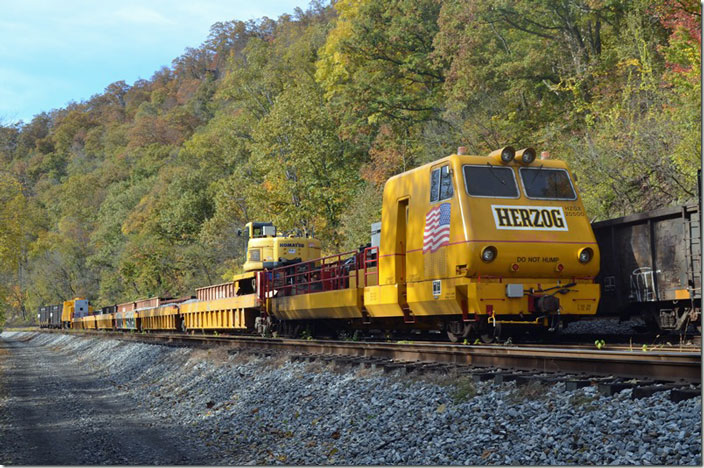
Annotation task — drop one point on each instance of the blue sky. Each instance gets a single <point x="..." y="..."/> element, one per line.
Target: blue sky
<point x="56" y="51"/>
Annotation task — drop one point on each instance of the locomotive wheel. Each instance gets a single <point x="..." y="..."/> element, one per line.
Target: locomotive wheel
<point x="490" y="333"/>
<point x="453" y="338"/>
<point x="457" y="335"/>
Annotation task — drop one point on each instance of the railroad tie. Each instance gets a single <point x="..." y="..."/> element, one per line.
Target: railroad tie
<point x="346" y="361"/>
<point x="681" y="394"/>
<point x="298" y="357"/>
<point x="575" y="384"/>
<point x="375" y="363"/>
<point x="612" y="388"/>
<point x="504" y="377"/>
<point x="393" y="366"/>
<point x="482" y="376"/>
<point x="541" y="378"/>
<point x="648" y="390"/>
<point x="431" y="367"/>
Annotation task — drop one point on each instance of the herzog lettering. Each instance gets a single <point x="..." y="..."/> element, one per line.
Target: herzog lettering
<point x="529" y="218"/>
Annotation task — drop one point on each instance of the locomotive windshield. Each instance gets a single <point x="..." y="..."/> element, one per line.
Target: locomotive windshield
<point x="490" y="181"/>
<point x="549" y="184"/>
<point x="440" y="184"/>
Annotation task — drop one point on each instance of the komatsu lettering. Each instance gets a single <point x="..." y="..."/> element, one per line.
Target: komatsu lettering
<point x="529" y="218"/>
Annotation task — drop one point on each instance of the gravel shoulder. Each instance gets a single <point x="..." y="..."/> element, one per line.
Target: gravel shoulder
<point x="57" y="413"/>
<point x="81" y="400"/>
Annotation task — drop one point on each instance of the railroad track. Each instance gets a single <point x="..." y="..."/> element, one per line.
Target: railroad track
<point x="651" y="366"/>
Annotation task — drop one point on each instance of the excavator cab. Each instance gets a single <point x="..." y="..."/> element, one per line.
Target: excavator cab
<point x="266" y="250"/>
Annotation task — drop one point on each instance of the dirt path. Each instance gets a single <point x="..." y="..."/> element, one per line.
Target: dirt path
<point x="54" y="414"/>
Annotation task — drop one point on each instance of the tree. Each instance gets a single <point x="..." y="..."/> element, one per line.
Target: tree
<point x="20" y="219"/>
<point x="382" y="80"/>
<point x="307" y="173"/>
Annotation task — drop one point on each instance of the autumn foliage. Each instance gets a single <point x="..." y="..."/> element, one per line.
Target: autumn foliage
<point x="139" y="191"/>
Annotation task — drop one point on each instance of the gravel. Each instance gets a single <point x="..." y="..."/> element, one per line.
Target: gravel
<point x="241" y="409"/>
<point x="605" y="326"/>
<point x="54" y="411"/>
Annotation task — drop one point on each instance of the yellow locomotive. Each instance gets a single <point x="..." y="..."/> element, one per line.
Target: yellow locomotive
<point x="77" y="313"/>
<point x="466" y="243"/>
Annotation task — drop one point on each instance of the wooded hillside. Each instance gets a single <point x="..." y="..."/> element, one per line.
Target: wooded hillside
<point x="140" y="190"/>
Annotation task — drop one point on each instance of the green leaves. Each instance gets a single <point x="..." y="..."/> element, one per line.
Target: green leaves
<point x="306" y="171"/>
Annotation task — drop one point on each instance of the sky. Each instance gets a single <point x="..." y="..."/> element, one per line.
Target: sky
<point x="53" y="52"/>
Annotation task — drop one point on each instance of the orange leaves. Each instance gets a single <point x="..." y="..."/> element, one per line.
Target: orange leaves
<point x="388" y="156"/>
<point x="150" y="129"/>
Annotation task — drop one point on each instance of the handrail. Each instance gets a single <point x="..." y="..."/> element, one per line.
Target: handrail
<point x="328" y="273"/>
<point x="370" y="259"/>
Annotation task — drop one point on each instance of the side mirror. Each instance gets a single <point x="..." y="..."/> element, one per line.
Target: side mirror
<point x="239" y="233"/>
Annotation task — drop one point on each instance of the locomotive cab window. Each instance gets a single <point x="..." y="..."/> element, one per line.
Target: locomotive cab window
<point x="547" y="184"/>
<point x="490" y="181"/>
<point x="440" y="184"/>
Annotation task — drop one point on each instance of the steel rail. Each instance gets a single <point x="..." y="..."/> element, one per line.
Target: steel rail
<point x="674" y="366"/>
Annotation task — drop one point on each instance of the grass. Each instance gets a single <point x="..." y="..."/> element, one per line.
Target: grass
<point x="531" y="391"/>
<point x="583" y="401"/>
<point x="464" y="390"/>
<point x="275" y="361"/>
<point x="27" y="328"/>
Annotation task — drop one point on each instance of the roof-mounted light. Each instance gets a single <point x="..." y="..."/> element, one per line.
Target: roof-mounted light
<point x="526" y="155"/>
<point x="504" y="155"/>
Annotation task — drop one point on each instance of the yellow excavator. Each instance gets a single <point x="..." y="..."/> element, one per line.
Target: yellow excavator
<point x="266" y="250"/>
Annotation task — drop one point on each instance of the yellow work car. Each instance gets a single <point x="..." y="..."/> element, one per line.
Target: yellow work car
<point x="466" y="243"/>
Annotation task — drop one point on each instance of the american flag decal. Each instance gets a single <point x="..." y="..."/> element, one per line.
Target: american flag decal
<point x="437" y="228"/>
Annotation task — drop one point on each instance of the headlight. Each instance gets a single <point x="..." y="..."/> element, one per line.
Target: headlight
<point x="489" y="254"/>
<point x="526" y="155"/>
<point x="505" y="154"/>
<point x="585" y="255"/>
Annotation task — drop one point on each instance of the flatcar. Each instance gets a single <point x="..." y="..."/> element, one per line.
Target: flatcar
<point x="237" y="305"/>
<point x="105" y="318"/>
<point x="651" y="267"/>
<point x="231" y="306"/>
<point x="125" y="317"/>
<point x="164" y="315"/>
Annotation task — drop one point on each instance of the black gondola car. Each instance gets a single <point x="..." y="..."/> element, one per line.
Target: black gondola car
<point x="651" y="266"/>
<point x="55" y="315"/>
<point x="43" y="316"/>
